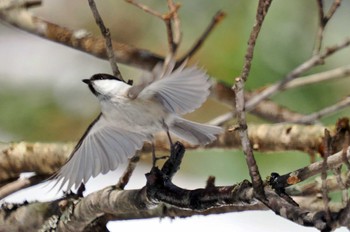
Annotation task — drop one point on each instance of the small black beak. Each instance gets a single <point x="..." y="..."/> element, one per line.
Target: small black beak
<point x="86" y="81"/>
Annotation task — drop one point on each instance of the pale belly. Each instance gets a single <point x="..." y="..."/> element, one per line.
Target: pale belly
<point x="139" y="116"/>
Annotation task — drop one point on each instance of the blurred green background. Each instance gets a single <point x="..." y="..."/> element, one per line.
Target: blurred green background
<point x="42" y="97"/>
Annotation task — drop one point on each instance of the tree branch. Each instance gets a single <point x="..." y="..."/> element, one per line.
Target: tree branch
<point x="107" y="36"/>
<point x="238" y="88"/>
<point x="310" y="63"/>
<point x="80" y="39"/>
<point x="45" y="158"/>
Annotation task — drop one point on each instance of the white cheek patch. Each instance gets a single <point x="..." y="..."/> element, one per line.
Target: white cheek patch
<point x="107" y="87"/>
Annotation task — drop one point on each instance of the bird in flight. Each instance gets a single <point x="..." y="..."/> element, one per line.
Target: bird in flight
<point x="131" y="115"/>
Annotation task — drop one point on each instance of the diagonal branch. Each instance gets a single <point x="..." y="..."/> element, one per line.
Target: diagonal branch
<point x="218" y="17"/>
<point x="308" y="119"/>
<point x="80" y="39"/>
<point x="107" y="36"/>
<point x="295" y="73"/>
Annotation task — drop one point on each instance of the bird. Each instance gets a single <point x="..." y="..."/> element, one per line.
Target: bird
<point x="132" y="114"/>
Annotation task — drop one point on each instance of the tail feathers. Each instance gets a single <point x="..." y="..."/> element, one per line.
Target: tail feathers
<point x="194" y="133"/>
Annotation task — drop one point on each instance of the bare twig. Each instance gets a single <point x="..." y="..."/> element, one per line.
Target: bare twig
<point x="20" y="184"/>
<point x="308" y="119"/>
<point x="218" y="17"/>
<point x="333" y="161"/>
<point x="238" y="88"/>
<point x="176" y="38"/>
<point x="333" y="74"/>
<point x="246" y="146"/>
<point x="341" y="184"/>
<point x="314" y="188"/>
<point x="107" y="35"/>
<point x="145" y="8"/>
<point x="328" y="151"/>
<point x="173" y="33"/>
<point x="268" y="109"/>
<point x="173" y="38"/>
<point x="295" y="73"/>
<point x="6" y="5"/>
<point x="323" y="20"/>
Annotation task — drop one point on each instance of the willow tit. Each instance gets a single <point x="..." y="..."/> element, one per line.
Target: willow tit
<point x="131" y="115"/>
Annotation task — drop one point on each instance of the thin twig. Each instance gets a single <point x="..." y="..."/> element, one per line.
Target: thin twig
<point x="295" y="73"/>
<point x="6" y="5"/>
<point x="341" y="185"/>
<point x="297" y="176"/>
<point x="328" y="151"/>
<point x="176" y="39"/>
<point x="20" y="184"/>
<point x="218" y="17"/>
<point x="145" y="8"/>
<point x="323" y="20"/>
<point x="173" y="32"/>
<point x="308" y="119"/>
<point x="238" y="88"/>
<point x="106" y="34"/>
<point x="332" y="9"/>
<point x="333" y="74"/>
<point x="314" y="188"/>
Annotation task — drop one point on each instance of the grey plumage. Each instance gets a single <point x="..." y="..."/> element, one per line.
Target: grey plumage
<point x="131" y="115"/>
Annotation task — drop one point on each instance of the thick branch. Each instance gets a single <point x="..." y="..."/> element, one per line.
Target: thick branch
<point x="80" y="39"/>
<point x="45" y="158"/>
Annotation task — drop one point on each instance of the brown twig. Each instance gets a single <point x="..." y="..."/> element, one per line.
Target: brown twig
<point x="20" y="184"/>
<point x="341" y="185"/>
<point x="328" y="151"/>
<point x="81" y="40"/>
<point x="311" y="118"/>
<point x="6" y="5"/>
<point x="333" y="161"/>
<point x="107" y="35"/>
<point x="173" y="33"/>
<point x="218" y="17"/>
<point x="323" y="20"/>
<point x="333" y="74"/>
<point x="295" y="73"/>
<point x="314" y="188"/>
<point x="176" y="29"/>
<point x="145" y="8"/>
<point x="238" y="88"/>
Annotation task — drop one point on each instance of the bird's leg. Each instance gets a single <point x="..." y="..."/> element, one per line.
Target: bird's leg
<point x="154" y="158"/>
<point x="168" y="134"/>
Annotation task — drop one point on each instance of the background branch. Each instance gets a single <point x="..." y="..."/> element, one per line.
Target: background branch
<point x="45" y="158"/>
<point x="310" y="63"/>
<point x="107" y="36"/>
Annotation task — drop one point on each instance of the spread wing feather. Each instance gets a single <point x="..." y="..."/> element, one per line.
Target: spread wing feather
<point x="101" y="149"/>
<point x="180" y="92"/>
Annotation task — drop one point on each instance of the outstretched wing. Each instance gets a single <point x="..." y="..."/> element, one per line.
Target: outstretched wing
<point x="101" y="149"/>
<point x="181" y="91"/>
